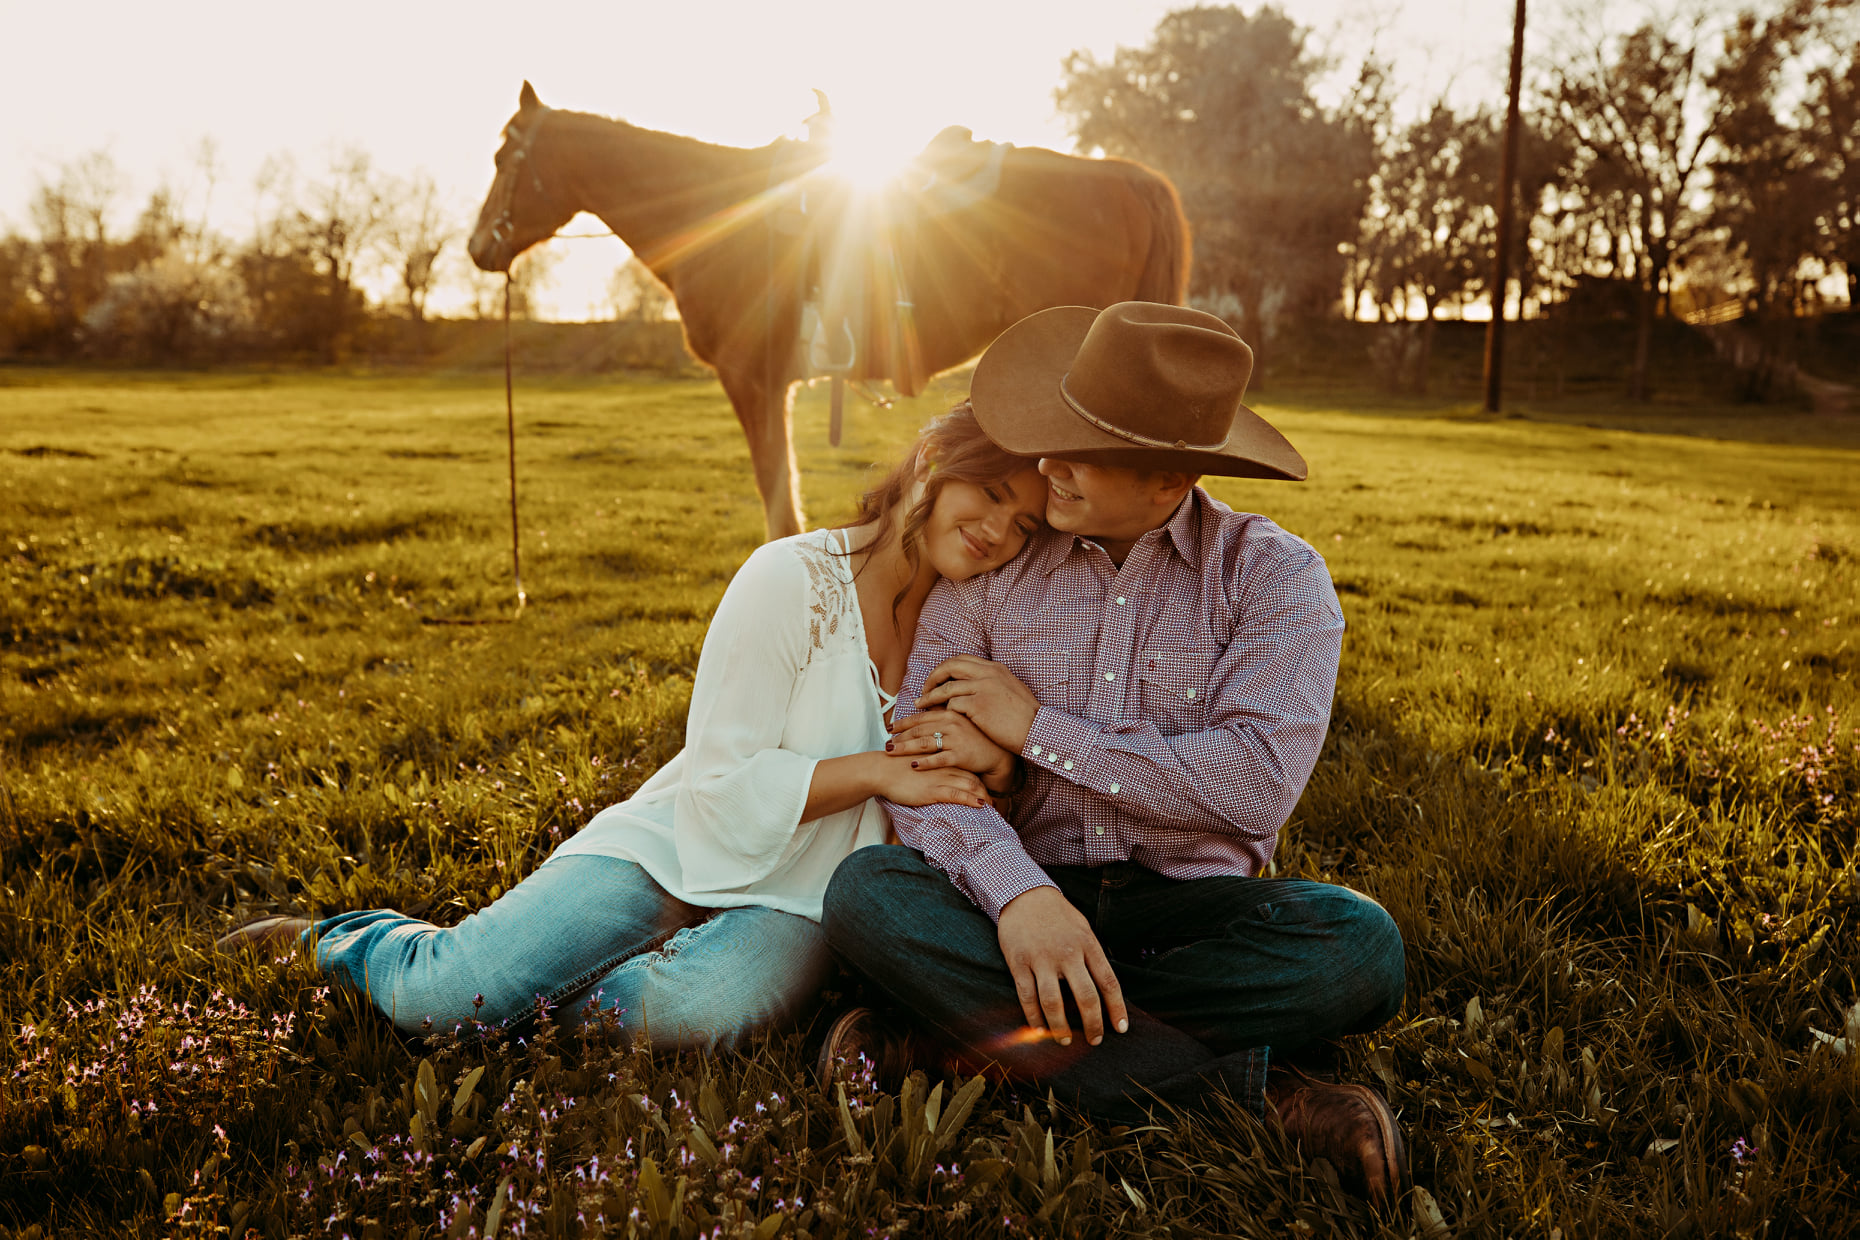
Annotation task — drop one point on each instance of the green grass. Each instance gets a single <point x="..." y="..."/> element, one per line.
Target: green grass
<point x="1594" y="747"/>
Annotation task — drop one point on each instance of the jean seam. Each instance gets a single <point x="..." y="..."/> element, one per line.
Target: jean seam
<point x="589" y="976"/>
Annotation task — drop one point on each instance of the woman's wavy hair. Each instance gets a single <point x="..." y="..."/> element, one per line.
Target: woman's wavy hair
<point x="954" y="448"/>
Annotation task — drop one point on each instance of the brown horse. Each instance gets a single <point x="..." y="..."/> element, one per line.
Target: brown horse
<point x="722" y="228"/>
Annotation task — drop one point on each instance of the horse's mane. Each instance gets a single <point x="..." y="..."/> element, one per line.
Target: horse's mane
<point x="781" y="149"/>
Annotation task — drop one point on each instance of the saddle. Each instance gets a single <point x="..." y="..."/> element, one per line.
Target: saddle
<point x="954" y="171"/>
<point x="856" y="304"/>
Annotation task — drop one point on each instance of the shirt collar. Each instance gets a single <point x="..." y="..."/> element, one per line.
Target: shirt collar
<point x="1182" y="531"/>
<point x="1184" y="527"/>
<point x="1055" y="546"/>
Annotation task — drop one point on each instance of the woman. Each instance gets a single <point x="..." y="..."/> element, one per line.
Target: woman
<point x="692" y="910"/>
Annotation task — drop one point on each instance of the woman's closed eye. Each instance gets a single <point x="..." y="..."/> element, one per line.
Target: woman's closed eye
<point x="1025" y="526"/>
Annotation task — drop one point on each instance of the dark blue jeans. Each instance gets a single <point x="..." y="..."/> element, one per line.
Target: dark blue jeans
<point x="1215" y="971"/>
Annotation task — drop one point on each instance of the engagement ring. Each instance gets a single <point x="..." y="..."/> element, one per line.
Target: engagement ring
<point x="938" y="737"/>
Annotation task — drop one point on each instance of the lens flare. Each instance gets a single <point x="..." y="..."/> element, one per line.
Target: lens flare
<point x="1026" y="1035"/>
<point x="867" y="157"/>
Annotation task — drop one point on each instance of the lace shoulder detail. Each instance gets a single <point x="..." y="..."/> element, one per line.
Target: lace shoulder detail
<point x="831" y="597"/>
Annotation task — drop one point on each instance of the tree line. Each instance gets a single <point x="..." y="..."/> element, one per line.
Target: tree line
<point x="1704" y="163"/>
<point x="171" y="288"/>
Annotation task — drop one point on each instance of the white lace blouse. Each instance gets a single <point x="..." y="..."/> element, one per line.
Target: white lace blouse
<point x="784" y="681"/>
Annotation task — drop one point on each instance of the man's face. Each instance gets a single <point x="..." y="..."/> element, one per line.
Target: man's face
<point x="1107" y="503"/>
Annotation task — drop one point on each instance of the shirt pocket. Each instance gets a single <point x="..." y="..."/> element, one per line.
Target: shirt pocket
<point x="1049" y="675"/>
<point x="1172" y="687"/>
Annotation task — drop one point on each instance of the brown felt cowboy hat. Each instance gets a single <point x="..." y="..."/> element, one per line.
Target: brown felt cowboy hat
<point x="1138" y="384"/>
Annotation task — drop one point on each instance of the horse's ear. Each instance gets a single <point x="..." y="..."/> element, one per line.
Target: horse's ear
<point x="528" y="100"/>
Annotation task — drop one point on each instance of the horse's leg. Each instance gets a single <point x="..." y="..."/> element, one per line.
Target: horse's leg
<point x="767" y="415"/>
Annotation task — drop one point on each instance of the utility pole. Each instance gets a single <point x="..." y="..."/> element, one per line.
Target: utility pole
<point x="1501" y="266"/>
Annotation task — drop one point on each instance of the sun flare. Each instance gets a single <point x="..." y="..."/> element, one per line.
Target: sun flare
<point x="868" y="155"/>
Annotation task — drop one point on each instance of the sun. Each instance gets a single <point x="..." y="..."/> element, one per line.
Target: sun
<point x="867" y="152"/>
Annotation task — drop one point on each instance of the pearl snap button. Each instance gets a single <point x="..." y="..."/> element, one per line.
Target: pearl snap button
<point x="1113" y="789"/>
<point x="1191" y="694"/>
<point x="1110" y="675"/>
<point x="1068" y="764"/>
<point x="1122" y="600"/>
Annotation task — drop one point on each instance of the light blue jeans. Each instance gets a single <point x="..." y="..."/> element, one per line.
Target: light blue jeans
<point x="585" y="932"/>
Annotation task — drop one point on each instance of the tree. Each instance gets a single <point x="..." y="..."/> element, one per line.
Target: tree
<point x="1437" y="194"/>
<point x="172" y="307"/>
<point x="1549" y="210"/>
<point x="1369" y="112"/>
<point x="1765" y="175"/>
<point x="1832" y="116"/>
<point x="414" y="230"/>
<point x="533" y="272"/>
<point x="636" y="293"/>
<point x="300" y="268"/>
<point x="485" y="289"/>
<point x="76" y="255"/>
<point x="528" y="276"/>
<point x="1642" y="118"/>
<point x="1272" y="183"/>
<point x="24" y="323"/>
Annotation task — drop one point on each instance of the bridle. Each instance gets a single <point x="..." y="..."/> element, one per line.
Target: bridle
<point x="504" y="226"/>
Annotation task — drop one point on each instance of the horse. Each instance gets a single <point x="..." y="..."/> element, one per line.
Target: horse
<point x="932" y="279"/>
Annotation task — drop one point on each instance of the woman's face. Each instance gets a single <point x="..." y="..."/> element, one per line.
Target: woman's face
<point x="976" y="529"/>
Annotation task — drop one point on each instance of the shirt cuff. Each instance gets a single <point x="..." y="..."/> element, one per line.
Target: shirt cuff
<point x="995" y="877"/>
<point x="1059" y="743"/>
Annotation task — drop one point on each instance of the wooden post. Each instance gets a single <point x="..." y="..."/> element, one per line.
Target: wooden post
<point x="1501" y="265"/>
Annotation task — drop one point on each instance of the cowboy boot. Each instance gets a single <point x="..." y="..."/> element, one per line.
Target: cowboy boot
<point x="1348" y="1125"/>
<point x="268" y="933"/>
<point x="860" y="1033"/>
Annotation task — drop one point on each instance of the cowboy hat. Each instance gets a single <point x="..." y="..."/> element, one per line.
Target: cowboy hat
<point x="1138" y="384"/>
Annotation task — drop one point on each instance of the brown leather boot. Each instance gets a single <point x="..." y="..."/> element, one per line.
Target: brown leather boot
<point x="1348" y="1125"/>
<point x="861" y="1033"/>
<point x="273" y="932"/>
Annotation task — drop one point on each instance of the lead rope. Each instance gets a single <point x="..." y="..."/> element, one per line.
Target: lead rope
<point x="510" y="425"/>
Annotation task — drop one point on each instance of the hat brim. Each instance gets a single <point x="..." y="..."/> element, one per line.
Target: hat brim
<point x="1015" y="393"/>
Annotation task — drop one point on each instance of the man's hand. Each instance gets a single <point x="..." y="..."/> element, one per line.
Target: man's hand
<point x="1045" y="940"/>
<point x="1001" y="706"/>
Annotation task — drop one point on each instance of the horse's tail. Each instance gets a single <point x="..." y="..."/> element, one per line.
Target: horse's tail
<point x="1165" y="268"/>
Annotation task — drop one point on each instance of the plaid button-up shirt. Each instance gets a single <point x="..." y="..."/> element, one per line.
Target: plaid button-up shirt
<point x="1183" y="699"/>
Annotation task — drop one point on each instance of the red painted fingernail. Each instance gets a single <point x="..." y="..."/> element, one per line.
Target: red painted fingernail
<point x="913" y="766"/>
<point x="887" y="746"/>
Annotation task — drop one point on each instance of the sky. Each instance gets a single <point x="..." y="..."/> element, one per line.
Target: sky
<point x="428" y="87"/>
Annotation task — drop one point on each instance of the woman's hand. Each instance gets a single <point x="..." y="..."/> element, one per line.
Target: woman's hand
<point x="902" y="784"/>
<point x="964" y="747"/>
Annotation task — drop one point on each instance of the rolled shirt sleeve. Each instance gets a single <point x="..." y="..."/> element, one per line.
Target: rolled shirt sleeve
<point x="978" y="848"/>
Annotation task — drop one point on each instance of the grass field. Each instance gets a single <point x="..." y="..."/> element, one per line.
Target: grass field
<point x="1594" y="747"/>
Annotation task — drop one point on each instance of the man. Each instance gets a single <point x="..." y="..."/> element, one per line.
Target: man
<point x="1163" y="668"/>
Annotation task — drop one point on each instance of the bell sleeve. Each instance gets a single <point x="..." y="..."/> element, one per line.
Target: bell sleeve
<point x="738" y="807"/>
